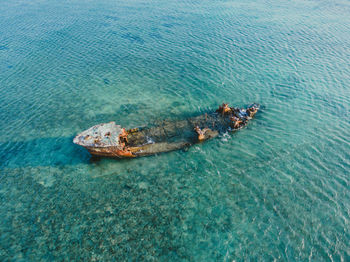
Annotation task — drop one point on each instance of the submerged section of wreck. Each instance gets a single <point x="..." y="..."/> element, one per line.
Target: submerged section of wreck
<point x="111" y="140"/>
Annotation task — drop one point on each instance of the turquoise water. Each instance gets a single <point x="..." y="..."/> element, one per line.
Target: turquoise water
<point x="277" y="190"/>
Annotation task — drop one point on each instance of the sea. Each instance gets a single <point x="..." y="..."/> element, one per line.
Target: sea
<point x="277" y="190"/>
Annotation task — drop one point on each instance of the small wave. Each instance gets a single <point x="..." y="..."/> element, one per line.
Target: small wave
<point x="150" y="140"/>
<point x="225" y="137"/>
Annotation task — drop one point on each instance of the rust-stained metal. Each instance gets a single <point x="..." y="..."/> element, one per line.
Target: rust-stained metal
<point x="110" y="140"/>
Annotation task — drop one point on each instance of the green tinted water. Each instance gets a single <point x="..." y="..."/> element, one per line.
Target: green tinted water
<point x="278" y="189"/>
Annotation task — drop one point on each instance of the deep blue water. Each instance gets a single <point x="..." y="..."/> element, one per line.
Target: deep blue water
<point x="277" y="190"/>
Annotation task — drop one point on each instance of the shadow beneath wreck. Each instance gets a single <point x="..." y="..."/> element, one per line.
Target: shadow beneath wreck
<point x="51" y="151"/>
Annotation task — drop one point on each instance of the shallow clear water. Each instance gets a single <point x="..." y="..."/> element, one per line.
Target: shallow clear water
<point x="279" y="189"/>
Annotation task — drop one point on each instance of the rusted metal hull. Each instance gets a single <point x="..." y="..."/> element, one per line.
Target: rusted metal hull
<point x="171" y="135"/>
<point x="105" y="151"/>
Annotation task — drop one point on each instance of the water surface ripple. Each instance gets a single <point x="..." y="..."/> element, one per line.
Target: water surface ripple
<point x="277" y="190"/>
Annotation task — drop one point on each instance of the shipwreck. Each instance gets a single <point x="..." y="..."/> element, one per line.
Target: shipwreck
<point x="111" y="140"/>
